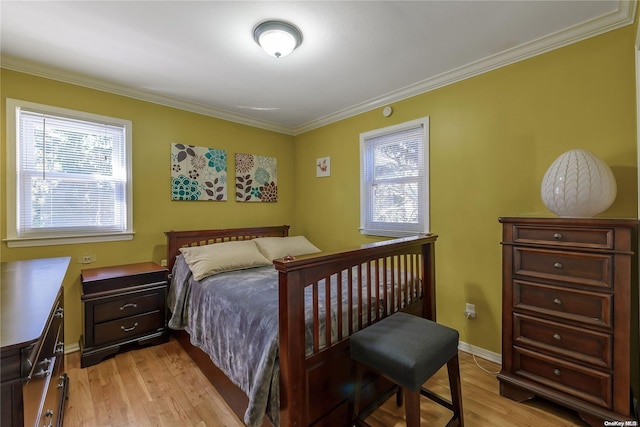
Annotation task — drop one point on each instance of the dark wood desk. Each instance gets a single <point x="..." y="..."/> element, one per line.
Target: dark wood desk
<point x="34" y="385"/>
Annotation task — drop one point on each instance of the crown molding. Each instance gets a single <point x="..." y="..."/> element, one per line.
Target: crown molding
<point x="623" y="16"/>
<point x="27" y="67"/>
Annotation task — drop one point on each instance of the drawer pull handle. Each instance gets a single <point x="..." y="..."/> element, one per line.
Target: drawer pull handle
<point x="59" y="313"/>
<point x="557" y="236"/>
<point x="48" y="414"/>
<point x="59" y="348"/>
<point x="557" y="301"/>
<point x="129" y="304"/>
<point x="45" y="361"/>
<point x="557" y="265"/>
<point x="42" y="373"/>
<point x="557" y="337"/>
<point x="135" y="325"/>
<point x="556" y="372"/>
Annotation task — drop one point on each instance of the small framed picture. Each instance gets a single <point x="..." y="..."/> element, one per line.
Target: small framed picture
<point x="323" y="166"/>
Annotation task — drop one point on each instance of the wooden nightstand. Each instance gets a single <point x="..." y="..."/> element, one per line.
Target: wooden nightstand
<point x="123" y="304"/>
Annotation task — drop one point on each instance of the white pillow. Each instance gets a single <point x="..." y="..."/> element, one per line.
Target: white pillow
<point x="226" y="256"/>
<point x="279" y="247"/>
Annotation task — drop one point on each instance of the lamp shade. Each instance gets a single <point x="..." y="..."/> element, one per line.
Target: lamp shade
<point x="277" y="38"/>
<point x="578" y="184"/>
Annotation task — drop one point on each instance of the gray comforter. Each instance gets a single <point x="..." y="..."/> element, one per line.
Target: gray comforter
<point x="233" y="317"/>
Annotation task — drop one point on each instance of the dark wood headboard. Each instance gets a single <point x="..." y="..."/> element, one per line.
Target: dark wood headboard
<point x="181" y="239"/>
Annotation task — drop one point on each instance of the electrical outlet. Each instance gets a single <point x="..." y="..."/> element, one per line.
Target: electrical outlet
<point x="87" y="259"/>
<point x="470" y="311"/>
<point x="163" y="263"/>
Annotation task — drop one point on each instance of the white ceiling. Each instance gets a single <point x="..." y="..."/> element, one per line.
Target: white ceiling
<point x="355" y="56"/>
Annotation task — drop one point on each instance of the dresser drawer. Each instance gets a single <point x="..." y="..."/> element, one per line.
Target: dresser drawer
<point x="128" y="305"/>
<point x="51" y="343"/>
<point x="572" y="267"/>
<point x="128" y="327"/>
<point x="54" y="398"/>
<point x="589" y="308"/>
<point x="584" y="383"/>
<point x="595" y="238"/>
<point x="34" y="392"/>
<point x="579" y="344"/>
<point x="43" y="374"/>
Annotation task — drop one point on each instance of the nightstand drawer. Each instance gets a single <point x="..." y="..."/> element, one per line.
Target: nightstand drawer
<point x="596" y="238"/>
<point x="590" y="308"/>
<point x="569" y="342"/>
<point x="572" y="267"/>
<point x="133" y="304"/>
<point x="587" y="384"/>
<point x="128" y="327"/>
<point x="121" y="277"/>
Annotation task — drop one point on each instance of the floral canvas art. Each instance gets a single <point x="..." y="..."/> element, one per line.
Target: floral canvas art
<point x="198" y="173"/>
<point x="256" y="178"/>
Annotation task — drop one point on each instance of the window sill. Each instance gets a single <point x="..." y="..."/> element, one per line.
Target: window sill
<point x="18" y="242"/>
<point x="390" y="233"/>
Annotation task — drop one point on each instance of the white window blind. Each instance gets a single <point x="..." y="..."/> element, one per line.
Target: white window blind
<point x="72" y="174"/>
<point x="394" y="180"/>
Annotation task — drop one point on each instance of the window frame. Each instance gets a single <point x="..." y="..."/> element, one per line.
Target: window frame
<point x="13" y="238"/>
<point x="371" y="228"/>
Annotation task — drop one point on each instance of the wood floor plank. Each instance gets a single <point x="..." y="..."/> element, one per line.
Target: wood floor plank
<point x="80" y="410"/>
<point x="161" y="386"/>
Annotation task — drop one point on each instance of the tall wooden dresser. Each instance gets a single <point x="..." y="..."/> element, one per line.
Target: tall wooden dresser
<point x="570" y="314"/>
<point x="34" y="384"/>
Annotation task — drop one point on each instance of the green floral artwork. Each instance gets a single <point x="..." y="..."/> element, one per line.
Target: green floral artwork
<point x="198" y="173"/>
<point x="256" y="178"/>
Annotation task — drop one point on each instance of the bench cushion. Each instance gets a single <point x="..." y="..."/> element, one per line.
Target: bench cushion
<point x="405" y="348"/>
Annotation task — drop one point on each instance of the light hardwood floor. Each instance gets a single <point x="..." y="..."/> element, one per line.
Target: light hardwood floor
<point x="161" y="386"/>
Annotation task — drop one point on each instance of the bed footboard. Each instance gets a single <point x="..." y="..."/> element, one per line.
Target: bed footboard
<point x="315" y="367"/>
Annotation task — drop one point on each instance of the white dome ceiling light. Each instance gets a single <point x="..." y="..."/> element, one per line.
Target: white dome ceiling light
<point x="277" y="38"/>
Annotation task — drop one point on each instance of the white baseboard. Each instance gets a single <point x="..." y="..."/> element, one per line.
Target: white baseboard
<point x="480" y="352"/>
<point x="70" y="348"/>
<point x="463" y="346"/>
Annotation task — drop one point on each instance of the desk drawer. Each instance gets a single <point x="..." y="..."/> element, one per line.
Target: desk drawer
<point x="573" y="267"/>
<point x="584" y="383"/>
<point x="589" y="308"/>
<point x="128" y="305"/>
<point x="127" y="327"/>
<point x="565" y="341"/>
<point x="596" y="238"/>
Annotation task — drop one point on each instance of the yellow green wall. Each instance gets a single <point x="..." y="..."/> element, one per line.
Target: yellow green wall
<point x="155" y="127"/>
<point x="492" y="138"/>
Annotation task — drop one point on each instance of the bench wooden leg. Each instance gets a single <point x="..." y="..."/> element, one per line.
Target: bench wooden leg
<point x="453" y="368"/>
<point x="412" y="407"/>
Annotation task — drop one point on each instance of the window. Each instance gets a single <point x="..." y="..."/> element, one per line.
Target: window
<point x="68" y="176"/>
<point x="394" y="180"/>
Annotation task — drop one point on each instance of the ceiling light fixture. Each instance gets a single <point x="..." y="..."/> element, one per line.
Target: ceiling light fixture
<point x="277" y="38"/>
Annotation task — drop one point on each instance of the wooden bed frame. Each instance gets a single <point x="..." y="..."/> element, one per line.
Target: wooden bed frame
<point x="316" y="388"/>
